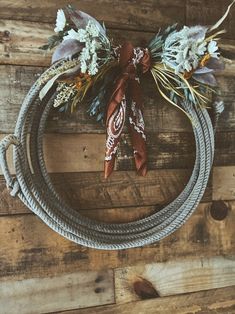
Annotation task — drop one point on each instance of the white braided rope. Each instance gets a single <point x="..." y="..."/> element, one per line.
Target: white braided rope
<point x="34" y="187"/>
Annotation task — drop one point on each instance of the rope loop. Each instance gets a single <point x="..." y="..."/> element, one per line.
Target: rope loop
<point x="39" y="194"/>
<point x="5" y="143"/>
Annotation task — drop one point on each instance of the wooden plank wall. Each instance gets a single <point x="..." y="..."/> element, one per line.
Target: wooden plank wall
<point x="192" y="270"/>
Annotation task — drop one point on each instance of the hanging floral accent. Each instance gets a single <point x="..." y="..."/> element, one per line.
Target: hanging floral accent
<point x="91" y="70"/>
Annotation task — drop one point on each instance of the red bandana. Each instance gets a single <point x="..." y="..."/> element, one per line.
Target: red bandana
<point x="129" y="57"/>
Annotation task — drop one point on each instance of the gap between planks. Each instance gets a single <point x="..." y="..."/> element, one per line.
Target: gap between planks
<point x="144" y="17"/>
<point x="174" y="277"/>
<point x="130" y="284"/>
<point x="128" y="15"/>
<point x="217" y="301"/>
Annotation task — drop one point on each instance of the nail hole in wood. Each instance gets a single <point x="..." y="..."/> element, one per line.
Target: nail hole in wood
<point x="219" y="210"/>
<point x="99" y="278"/>
<point x="99" y="290"/>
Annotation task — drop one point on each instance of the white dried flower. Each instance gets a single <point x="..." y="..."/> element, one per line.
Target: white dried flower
<point x="82" y="35"/>
<point x="60" y="21"/>
<point x="94" y="46"/>
<point x="89" y="36"/>
<point x="65" y="92"/>
<point x="92" y="29"/>
<point x="72" y="34"/>
<point x="212" y="48"/>
<point x="88" y="56"/>
<point x="83" y="66"/>
<point x="183" y="50"/>
<point x="93" y="67"/>
<point x="85" y="54"/>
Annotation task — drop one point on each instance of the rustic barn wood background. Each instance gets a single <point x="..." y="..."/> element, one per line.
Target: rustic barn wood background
<point x="191" y="271"/>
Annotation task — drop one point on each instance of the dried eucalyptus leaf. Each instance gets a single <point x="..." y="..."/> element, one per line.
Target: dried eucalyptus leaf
<point x="215" y="64"/>
<point x="203" y="70"/>
<point x="80" y="19"/>
<point x="206" y="78"/>
<point x="67" y="49"/>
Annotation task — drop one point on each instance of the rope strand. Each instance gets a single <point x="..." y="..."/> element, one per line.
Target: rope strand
<point x="33" y="185"/>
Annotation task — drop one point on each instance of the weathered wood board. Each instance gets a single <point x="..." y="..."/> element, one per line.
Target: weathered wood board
<point x="74" y="290"/>
<point x="37" y="251"/>
<point x="173" y="278"/>
<point x="190" y="271"/>
<point x="217" y="301"/>
<point x="125" y="15"/>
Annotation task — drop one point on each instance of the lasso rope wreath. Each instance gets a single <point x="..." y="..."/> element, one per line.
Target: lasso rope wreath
<point x="88" y="69"/>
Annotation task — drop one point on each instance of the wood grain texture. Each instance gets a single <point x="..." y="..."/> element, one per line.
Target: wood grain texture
<point x="164" y="185"/>
<point x="41" y="271"/>
<point x="223" y="183"/>
<point x="150" y="15"/>
<point x="216" y="301"/>
<point x="174" y="277"/>
<point x="64" y="292"/>
<point x="89" y="190"/>
<point x="13" y="206"/>
<point x="168" y="150"/>
<point x="85" y="152"/>
<point x="208" y="13"/>
<point x="126" y="14"/>
<point x="37" y="251"/>
<point x="15" y="81"/>
<point x="70" y="152"/>
<point x="20" y="41"/>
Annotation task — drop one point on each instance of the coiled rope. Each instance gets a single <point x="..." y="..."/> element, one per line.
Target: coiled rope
<point x="33" y="185"/>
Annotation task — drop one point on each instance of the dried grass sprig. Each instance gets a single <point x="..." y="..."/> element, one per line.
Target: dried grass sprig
<point x="168" y="82"/>
<point x="88" y="83"/>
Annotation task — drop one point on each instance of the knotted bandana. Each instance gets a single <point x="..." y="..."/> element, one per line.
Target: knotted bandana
<point x="126" y="101"/>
